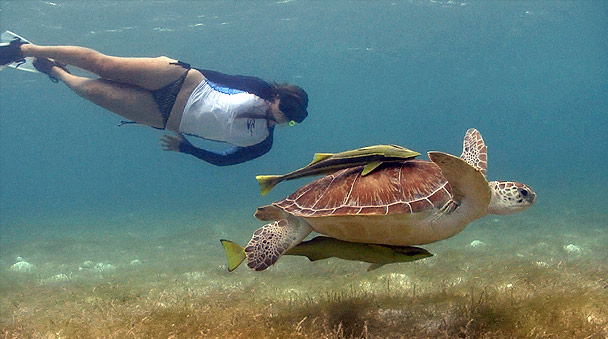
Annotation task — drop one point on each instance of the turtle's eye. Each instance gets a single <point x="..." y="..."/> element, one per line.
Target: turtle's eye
<point x="524" y="193"/>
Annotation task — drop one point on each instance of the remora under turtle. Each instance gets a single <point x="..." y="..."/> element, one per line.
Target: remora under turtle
<point x="322" y="247"/>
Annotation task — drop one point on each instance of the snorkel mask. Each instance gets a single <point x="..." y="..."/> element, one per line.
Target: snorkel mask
<point x="292" y="110"/>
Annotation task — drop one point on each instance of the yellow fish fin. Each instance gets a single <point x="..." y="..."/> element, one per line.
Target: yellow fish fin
<point x="370" y="167"/>
<point x="234" y="252"/>
<point x="320" y="156"/>
<point x="267" y="182"/>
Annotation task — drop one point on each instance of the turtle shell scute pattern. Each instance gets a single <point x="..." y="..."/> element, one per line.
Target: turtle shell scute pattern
<point x="406" y="187"/>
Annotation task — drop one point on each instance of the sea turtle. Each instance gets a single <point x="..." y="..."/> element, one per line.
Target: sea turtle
<point x="413" y="202"/>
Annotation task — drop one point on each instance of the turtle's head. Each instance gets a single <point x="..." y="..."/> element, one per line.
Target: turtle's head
<point x="510" y="197"/>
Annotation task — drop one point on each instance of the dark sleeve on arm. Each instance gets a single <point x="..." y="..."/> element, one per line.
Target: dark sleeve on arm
<point x="232" y="156"/>
<point x="245" y="83"/>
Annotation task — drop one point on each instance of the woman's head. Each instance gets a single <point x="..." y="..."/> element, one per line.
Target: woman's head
<point x="293" y="101"/>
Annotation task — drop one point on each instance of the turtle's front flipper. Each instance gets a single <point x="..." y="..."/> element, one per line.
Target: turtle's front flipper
<point x="474" y="150"/>
<point x="270" y="241"/>
<point x="469" y="186"/>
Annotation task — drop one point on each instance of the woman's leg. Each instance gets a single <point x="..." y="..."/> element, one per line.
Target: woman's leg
<point x="129" y="101"/>
<point x="147" y="73"/>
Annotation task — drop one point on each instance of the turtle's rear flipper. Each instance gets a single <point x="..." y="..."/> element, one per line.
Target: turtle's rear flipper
<point x="268" y="213"/>
<point x="270" y="241"/>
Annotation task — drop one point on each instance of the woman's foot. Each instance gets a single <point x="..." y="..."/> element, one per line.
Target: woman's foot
<point x="46" y="66"/>
<point x="11" y="52"/>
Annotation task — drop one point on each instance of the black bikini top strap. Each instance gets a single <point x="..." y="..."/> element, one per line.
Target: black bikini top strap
<point x="181" y="63"/>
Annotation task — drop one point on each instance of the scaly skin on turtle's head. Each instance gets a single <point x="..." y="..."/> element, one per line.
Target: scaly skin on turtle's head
<point x="510" y="197"/>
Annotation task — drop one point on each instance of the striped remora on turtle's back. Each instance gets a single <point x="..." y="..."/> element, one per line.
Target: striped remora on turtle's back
<point x="324" y="163"/>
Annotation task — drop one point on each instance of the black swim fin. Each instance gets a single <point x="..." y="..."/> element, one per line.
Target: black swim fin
<point x="12" y="52"/>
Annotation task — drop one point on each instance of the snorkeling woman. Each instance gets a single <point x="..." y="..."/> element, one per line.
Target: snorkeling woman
<point x="169" y="94"/>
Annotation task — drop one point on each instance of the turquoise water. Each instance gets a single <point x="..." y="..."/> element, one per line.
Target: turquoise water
<point x="531" y="77"/>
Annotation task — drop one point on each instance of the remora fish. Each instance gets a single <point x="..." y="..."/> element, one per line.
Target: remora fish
<point x="325" y="163"/>
<point x="325" y="247"/>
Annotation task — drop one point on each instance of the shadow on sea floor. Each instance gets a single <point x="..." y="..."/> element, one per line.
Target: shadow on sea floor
<point x="508" y="277"/>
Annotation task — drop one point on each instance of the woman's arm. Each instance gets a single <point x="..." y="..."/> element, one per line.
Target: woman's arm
<point x="232" y="156"/>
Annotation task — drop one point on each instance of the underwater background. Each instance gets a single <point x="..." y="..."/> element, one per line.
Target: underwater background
<point x="124" y="238"/>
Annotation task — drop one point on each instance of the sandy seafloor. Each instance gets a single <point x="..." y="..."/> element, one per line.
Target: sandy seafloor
<point x="169" y="280"/>
<point x="123" y="238"/>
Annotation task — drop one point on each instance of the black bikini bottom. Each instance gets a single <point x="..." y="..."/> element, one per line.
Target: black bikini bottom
<point x="165" y="96"/>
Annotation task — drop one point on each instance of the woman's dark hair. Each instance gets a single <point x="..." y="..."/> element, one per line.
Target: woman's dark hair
<point x="293" y="101"/>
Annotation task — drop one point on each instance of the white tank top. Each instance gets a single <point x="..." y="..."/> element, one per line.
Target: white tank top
<point x="212" y="112"/>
